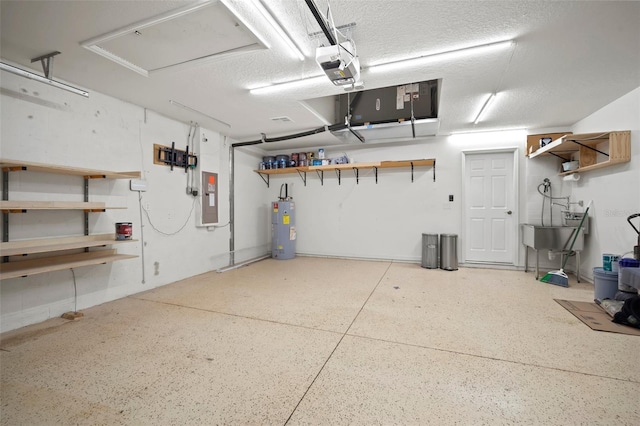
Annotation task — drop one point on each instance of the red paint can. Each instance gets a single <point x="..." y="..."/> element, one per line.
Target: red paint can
<point x="124" y="230"/>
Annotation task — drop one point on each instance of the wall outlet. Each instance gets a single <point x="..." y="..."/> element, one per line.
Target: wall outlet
<point x="139" y="185"/>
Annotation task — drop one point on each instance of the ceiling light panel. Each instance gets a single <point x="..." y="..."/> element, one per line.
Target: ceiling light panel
<point x="205" y="30"/>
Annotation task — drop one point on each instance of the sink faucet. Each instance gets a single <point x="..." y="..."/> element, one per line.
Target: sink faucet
<point x="567" y="206"/>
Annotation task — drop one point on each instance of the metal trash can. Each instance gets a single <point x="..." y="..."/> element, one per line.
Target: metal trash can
<point x="449" y="252"/>
<point x="430" y="251"/>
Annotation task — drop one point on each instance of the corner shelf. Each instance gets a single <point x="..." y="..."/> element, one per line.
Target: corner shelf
<point x="18" y="267"/>
<point x="587" y="145"/>
<point x="356" y="167"/>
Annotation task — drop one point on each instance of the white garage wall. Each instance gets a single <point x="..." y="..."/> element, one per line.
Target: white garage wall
<point x="47" y="125"/>
<point x="252" y="227"/>
<point x="615" y="191"/>
<point x="384" y="220"/>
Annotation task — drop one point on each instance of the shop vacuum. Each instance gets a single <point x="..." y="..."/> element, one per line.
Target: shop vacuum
<point x="283" y="229"/>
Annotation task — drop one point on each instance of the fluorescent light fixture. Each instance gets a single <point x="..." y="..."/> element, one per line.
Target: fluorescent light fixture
<point x="288" y="85"/>
<point x="32" y="76"/>
<point x="387" y="66"/>
<point x="485" y="107"/>
<point x="279" y="30"/>
<point x="505" y="137"/>
<point x="444" y="55"/>
<point x="179" y="105"/>
<point x="234" y="12"/>
<point x="485" y="131"/>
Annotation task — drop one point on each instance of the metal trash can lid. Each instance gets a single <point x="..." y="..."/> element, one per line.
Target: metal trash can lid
<point x="448" y="235"/>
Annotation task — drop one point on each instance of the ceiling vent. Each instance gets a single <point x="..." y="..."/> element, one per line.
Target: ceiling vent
<point x="180" y="37"/>
<point x="282" y="119"/>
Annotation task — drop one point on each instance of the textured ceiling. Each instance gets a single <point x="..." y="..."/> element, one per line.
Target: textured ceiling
<point x="569" y="60"/>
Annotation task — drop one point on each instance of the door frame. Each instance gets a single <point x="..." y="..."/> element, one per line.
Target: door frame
<point x="516" y="201"/>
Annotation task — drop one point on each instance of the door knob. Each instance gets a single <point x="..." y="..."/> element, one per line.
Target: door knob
<point x="509" y="212"/>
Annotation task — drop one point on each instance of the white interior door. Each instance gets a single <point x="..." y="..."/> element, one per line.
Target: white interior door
<point x="490" y="202"/>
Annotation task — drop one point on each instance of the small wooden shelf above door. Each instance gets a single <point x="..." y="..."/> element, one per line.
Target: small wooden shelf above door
<point x="356" y="167"/>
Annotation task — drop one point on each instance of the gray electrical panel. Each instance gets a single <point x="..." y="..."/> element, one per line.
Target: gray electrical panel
<point x="209" y="197"/>
<point x="283" y="230"/>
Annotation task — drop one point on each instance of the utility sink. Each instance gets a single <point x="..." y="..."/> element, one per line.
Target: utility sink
<point x="553" y="238"/>
<point x="556" y="238"/>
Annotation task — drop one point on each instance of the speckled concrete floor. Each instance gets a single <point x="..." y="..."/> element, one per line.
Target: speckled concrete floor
<point x="326" y="341"/>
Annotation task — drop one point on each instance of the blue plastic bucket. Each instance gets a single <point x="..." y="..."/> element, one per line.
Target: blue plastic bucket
<point x="605" y="283"/>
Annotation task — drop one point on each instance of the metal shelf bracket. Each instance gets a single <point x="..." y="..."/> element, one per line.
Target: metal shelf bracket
<point x="587" y="146"/>
<point x="265" y="179"/>
<point x="303" y="176"/>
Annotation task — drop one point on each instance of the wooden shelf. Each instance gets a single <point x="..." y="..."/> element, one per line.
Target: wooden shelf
<point x="20" y="206"/>
<point x="348" y="166"/>
<point x="22" y="247"/>
<point x="533" y="141"/>
<point x="25" y="268"/>
<point x="13" y="165"/>
<point x="587" y="145"/>
<point x="284" y="171"/>
<point x="22" y="267"/>
<point x="408" y="163"/>
<point x="431" y="162"/>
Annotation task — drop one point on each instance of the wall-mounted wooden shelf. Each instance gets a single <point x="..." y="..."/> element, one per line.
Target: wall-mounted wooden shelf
<point x="45" y="245"/>
<point x="22" y="206"/>
<point x="533" y="141"/>
<point x="17" y="267"/>
<point x="14" y="166"/>
<point x="356" y="167"/>
<point x="23" y="268"/>
<point x="615" y="147"/>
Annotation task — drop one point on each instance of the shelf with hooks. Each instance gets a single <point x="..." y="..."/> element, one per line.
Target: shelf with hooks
<point x="356" y="167"/>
